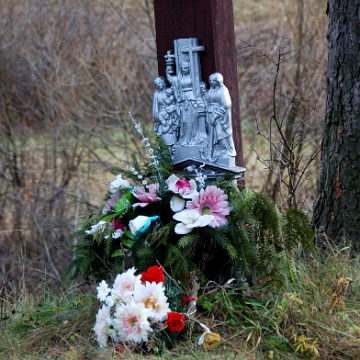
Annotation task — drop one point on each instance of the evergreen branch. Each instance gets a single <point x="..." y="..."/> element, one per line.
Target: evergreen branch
<point x="188" y="240"/>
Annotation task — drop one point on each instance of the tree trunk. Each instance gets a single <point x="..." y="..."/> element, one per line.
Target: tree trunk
<point x="337" y="207"/>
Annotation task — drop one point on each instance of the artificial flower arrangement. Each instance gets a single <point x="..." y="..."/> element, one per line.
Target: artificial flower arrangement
<point x="152" y="215"/>
<point x="135" y="312"/>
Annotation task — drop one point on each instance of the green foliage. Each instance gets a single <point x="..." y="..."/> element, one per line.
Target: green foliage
<point x="257" y="238"/>
<point x="93" y="252"/>
<point x="297" y="230"/>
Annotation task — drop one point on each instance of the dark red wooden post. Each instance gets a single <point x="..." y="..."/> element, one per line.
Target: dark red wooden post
<point x="212" y="22"/>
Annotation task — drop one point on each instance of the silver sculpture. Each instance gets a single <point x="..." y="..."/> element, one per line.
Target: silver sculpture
<point x="165" y="114"/>
<point x="218" y="121"/>
<point x="194" y="121"/>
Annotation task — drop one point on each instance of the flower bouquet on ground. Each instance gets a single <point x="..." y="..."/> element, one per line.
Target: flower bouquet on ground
<point x="135" y="312"/>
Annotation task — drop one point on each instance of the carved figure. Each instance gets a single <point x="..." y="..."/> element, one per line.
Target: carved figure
<point x="183" y="89"/>
<point x="218" y="108"/>
<point x="170" y="122"/>
<point x="158" y="110"/>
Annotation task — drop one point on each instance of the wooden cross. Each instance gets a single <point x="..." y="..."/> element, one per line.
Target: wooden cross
<point x="212" y="22"/>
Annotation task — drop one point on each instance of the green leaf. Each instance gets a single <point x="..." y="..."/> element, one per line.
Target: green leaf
<point x="129" y="235"/>
<point x="117" y="253"/>
<point x="278" y="342"/>
<point x="107" y="218"/>
<point x="124" y="203"/>
<point x="127" y="242"/>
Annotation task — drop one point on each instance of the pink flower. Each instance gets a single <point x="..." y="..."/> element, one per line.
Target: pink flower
<point x="112" y="201"/>
<point x="186" y="189"/>
<point x="144" y="197"/>
<point x="183" y="185"/>
<point x="183" y="189"/>
<point x="211" y="201"/>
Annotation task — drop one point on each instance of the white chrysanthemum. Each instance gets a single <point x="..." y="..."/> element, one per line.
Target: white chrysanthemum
<point x="153" y="297"/>
<point x="118" y="183"/>
<point x="101" y="327"/>
<point x="103" y="290"/>
<point x="100" y="226"/>
<point x="125" y="285"/>
<point x="131" y="322"/>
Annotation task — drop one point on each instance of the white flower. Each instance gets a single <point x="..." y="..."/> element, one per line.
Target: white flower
<point x="125" y="285"/>
<point x="138" y="223"/>
<point x="131" y="322"/>
<point x="190" y="219"/>
<point x="110" y="301"/>
<point x="117" y="234"/>
<point x="177" y="203"/>
<point x="153" y="297"/>
<point x="118" y="183"/>
<point x="141" y="223"/>
<point x="186" y="189"/>
<point x="100" y="226"/>
<point x="113" y="335"/>
<point x="103" y="290"/>
<point x="101" y="327"/>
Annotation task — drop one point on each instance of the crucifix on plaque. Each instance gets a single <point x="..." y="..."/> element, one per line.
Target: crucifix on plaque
<point x="192" y="49"/>
<point x="183" y="72"/>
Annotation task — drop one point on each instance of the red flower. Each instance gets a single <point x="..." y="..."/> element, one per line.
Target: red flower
<point x="118" y="225"/>
<point x="153" y="274"/>
<point x="175" y="321"/>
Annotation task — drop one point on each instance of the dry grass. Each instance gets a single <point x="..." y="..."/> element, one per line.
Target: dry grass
<point x="66" y="89"/>
<point x="70" y="71"/>
<point x="318" y="299"/>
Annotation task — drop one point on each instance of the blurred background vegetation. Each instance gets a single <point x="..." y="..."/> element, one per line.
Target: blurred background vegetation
<point x="72" y="70"/>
